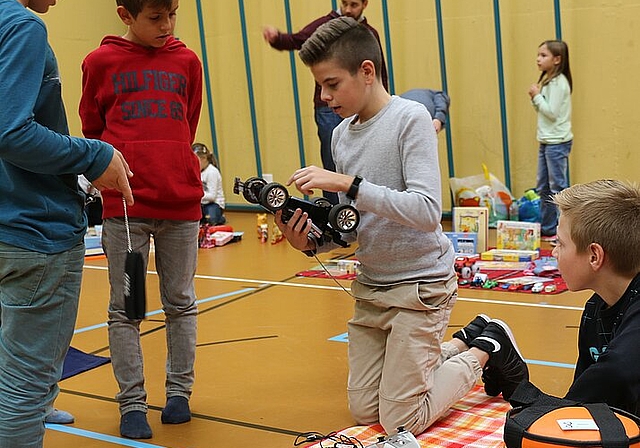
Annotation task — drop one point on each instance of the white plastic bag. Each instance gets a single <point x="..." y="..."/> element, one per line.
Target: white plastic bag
<point x="482" y="190"/>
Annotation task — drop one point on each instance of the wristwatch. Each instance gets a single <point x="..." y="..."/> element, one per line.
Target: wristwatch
<point x="353" y="189"/>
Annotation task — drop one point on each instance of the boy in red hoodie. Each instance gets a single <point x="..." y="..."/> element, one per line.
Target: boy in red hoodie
<point x="142" y="93"/>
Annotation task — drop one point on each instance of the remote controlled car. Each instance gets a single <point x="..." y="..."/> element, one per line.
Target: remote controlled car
<point x="328" y="220"/>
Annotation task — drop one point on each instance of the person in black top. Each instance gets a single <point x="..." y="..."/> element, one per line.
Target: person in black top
<point x="599" y="249"/>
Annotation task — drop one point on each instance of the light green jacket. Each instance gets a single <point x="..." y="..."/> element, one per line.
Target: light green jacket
<point x="553" y="105"/>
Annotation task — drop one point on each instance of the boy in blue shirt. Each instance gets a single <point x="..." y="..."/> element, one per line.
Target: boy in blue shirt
<point x="42" y="223"/>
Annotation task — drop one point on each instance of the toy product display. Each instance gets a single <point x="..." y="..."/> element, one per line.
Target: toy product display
<point x="212" y="236"/>
<point x="262" y="227"/>
<point x="276" y="235"/>
<point x="472" y="220"/>
<point x="517" y="235"/>
<point x="328" y="220"/>
<point x="509" y="255"/>
<point x="464" y="243"/>
<point x="466" y="267"/>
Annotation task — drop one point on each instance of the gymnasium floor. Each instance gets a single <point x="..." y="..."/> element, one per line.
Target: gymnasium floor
<point x="271" y="360"/>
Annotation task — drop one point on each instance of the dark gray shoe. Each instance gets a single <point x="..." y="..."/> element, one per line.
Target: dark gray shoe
<point x="134" y="425"/>
<point x="176" y="411"/>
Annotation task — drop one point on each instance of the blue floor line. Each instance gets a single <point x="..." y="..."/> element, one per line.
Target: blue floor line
<point x="343" y="337"/>
<point x="102" y="437"/>
<point x="562" y="365"/>
<point x="153" y="313"/>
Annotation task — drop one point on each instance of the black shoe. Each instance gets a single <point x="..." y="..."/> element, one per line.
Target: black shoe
<point x="506" y="367"/>
<point x="473" y="329"/>
<point x="492" y="380"/>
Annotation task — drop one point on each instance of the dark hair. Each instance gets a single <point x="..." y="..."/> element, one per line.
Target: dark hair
<point x="557" y="48"/>
<point x="201" y="150"/>
<point x="136" y="6"/>
<point x="345" y="40"/>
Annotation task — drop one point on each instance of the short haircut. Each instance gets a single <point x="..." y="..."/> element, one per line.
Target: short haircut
<point x="606" y="212"/>
<point x="136" y="6"/>
<point x="344" y="40"/>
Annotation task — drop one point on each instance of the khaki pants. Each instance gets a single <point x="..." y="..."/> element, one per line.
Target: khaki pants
<point x="401" y="374"/>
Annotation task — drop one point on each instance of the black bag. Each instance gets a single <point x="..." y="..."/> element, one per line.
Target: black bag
<point x="534" y="422"/>
<point x="135" y="293"/>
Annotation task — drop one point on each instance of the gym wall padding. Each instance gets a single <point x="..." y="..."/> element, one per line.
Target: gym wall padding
<point x="255" y="125"/>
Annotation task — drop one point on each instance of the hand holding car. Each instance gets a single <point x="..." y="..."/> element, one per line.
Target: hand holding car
<point x="310" y="177"/>
<point x="296" y="229"/>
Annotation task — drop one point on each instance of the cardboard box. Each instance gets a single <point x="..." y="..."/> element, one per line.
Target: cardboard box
<point x="464" y="243"/>
<point x="509" y="255"/>
<point x="472" y="220"/>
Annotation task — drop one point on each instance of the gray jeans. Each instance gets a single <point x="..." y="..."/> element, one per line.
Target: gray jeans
<point x="176" y="255"/>
<point x="400" y="372"/>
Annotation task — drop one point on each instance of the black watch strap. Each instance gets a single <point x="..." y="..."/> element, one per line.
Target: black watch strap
<point x="353" y="189"/>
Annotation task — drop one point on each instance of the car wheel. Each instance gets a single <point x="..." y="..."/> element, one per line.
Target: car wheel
<point x="252" y="188"/>
<point x="274" y="196"/>
<point x="344" y="218"/>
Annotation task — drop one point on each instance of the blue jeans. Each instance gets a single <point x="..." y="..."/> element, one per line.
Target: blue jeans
<point x="176" y="256"/>
<point x="553" y="163"/>
<point x="212" y="214"/>
<point x="38" y="306"/>
<point x="327" y="120"/>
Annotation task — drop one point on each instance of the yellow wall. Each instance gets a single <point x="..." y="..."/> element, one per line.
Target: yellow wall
<point x="602" y="37"/>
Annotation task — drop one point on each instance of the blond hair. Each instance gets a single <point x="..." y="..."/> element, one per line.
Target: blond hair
<point x="606" y="212"/>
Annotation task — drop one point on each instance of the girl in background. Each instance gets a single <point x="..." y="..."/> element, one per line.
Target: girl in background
<point x="551" y="97"/>
<point x="212" y="202"/>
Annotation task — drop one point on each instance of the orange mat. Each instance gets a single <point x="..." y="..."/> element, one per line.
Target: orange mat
<point x="476" y="421"/>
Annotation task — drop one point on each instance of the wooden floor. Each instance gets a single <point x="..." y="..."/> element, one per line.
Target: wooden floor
<point x="271" y="360"/>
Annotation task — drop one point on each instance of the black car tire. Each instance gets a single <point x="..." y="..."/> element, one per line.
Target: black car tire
<point x="274" y="196"/>
<point x="344" y="218"/>
<point x="252" y="189"/>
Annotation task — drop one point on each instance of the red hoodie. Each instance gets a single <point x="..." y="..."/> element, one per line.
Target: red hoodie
<point x="146" y="102"/>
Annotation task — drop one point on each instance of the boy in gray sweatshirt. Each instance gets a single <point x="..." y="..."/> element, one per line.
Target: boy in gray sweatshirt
<point x="401" y="373"/>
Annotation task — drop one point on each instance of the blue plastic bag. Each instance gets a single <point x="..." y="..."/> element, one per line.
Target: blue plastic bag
<point x="529" y="207"/>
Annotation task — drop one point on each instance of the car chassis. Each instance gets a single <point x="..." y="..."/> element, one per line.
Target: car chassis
<point x="328" y="221"/>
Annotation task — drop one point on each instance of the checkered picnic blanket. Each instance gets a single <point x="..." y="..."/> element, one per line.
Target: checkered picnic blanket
<point x="476" y="421"/>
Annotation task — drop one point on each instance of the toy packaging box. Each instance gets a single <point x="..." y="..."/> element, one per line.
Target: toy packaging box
<point x="472" y="220"/>
<point x="464" y="243"/>
<point x="518" y="235"/>
<point x="509" y="255"/>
